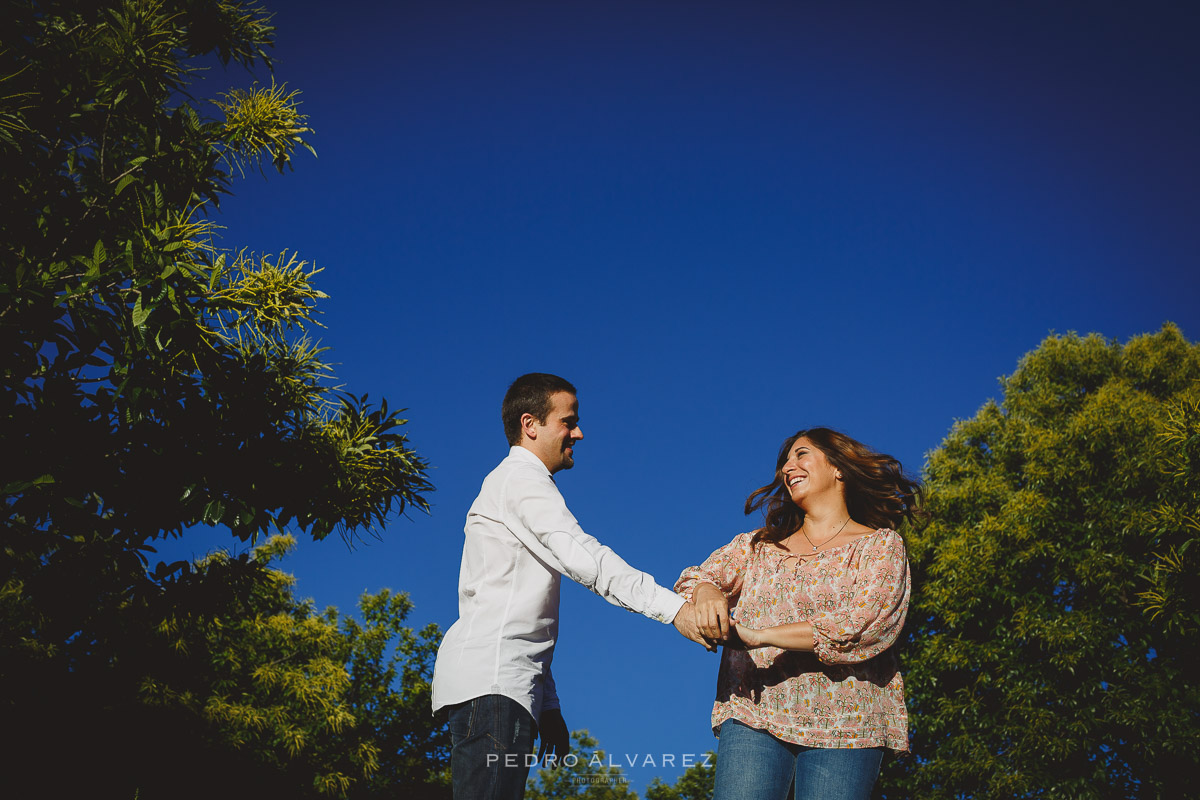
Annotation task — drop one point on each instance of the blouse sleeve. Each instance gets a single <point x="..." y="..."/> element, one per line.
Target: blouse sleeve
<point x="871" y="618"/>
<point x="723" y="569"/>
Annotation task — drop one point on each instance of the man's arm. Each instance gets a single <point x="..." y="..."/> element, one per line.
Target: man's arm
<point x="539" y="518"/>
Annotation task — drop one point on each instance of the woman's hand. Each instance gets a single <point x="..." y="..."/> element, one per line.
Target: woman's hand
<point x="750" y="637"/>
<point x="712" y="612"/>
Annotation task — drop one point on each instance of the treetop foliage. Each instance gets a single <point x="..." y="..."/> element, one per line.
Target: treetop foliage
<point x="181" y="380"/>
<point x="1051" y="639"/>
<point x="261" y="693"/>
<point x="696" y="783"/>
<point x="590" y="773"/>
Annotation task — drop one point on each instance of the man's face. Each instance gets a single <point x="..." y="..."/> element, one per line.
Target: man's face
<point x="552" y="441"/>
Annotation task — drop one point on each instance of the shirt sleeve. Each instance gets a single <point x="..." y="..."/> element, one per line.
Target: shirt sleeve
<point x="724" y="569"/>
<point x="872" y="616"/>
<point x="541" y="521"/>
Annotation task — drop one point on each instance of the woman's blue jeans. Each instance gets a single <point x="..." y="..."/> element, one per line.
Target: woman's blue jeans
<point x="491" y="739"/>
<point x="754" y="765"/>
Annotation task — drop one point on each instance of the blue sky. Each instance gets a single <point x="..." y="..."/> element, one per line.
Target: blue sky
<point x="723" y="222"/>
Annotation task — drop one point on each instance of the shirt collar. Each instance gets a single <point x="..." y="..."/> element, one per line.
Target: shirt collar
<point x="521" y="454"/>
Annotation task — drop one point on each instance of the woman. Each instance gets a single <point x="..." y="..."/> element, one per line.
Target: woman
<point x="809" y="688"/>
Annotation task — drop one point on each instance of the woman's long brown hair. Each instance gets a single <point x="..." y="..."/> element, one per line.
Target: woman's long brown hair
<point x="878" y="493"/>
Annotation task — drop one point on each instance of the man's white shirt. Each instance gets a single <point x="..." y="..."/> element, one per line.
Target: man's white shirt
<point x="519" y="537"/>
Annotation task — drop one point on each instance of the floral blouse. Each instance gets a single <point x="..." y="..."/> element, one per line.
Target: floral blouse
<point x="848" y="693"/>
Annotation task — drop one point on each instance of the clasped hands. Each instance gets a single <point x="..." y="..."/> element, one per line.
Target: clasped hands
<point x="706" y="621"/>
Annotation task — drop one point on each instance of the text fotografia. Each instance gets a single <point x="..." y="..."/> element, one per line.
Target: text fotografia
<point x="628" y="760"/>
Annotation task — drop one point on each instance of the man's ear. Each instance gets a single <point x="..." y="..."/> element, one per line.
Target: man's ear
<point x="529" y="426"/>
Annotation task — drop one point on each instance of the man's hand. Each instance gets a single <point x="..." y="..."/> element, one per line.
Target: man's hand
<point x="712" y="612"/>
<point x="556" y="739"/>
<point x="685" y="623"/>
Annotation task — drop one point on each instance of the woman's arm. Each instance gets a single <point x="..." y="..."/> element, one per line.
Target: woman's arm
<point x="723" y="569"/>
<point x="873" y="618"/>
<point x="714" y="584"/>
<point x="796" y="636"/>
<point x="860" y="629"/>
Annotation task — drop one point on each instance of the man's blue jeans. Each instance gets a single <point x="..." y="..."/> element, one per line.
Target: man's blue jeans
<point x="752" y="763"/>
<point x="491" y="737"/>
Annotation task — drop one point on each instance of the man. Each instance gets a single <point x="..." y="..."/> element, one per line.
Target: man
<point x="493" y="667"/>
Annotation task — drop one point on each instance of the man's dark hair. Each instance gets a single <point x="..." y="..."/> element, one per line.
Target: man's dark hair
<point x="530" y="394"/>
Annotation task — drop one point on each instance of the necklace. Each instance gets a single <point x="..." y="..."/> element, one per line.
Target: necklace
<point x="827" y="541"/>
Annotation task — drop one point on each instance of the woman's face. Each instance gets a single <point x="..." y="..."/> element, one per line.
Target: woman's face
<point x="807" y="473"/>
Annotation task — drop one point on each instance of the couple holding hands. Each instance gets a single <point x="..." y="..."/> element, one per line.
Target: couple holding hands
<point x="805" y="609"/>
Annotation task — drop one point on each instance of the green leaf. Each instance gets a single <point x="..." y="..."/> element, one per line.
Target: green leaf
<point x="20" y="486"/>
<point x="140" y="315"/>
<point x="213" y="512"/>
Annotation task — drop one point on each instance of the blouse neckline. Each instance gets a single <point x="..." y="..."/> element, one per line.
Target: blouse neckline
<point x="804" y="558"/>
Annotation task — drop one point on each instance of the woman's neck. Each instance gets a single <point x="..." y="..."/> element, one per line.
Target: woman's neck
<point x="823" y="517"/>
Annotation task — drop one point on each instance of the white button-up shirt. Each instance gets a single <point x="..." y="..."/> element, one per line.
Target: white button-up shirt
<point x="519" y="537"/>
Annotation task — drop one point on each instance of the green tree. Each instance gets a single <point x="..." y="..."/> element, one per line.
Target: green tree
<point x="696" y="783"/>
<point x="390" y="694"/>
<point x="584" y="773"/>
<point x="262" y="693"/>
<point x="1051" y="645"/>
<point x="150" y="383"/>
<point x="590" y="774"/>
